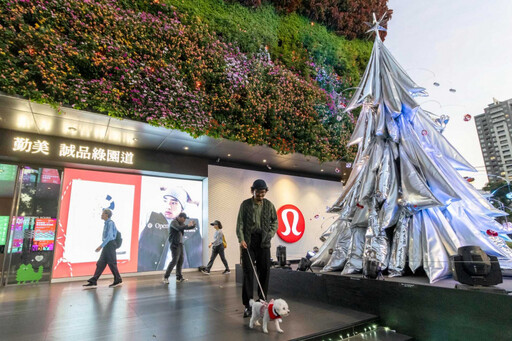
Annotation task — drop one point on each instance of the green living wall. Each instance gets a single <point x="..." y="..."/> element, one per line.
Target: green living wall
<point x="205" y="67"/>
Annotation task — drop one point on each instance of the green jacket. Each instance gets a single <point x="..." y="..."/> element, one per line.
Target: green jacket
<point x="245" y="223"/>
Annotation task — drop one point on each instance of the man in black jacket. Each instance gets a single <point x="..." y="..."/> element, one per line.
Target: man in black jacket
<point x="255" y="227"/>
<point x="177" y="228"/>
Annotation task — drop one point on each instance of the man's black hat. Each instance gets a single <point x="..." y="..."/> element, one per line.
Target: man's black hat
<point x="259" y="184"/>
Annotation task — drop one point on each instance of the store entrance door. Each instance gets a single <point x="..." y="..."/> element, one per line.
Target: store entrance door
<point x="7" y="184"/>
<point x="31" y="236"/>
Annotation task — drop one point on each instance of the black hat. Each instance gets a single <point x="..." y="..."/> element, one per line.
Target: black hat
<point x="259" y="184"/>
<point x="216" y="222"/>
<point x="182" y="215"/>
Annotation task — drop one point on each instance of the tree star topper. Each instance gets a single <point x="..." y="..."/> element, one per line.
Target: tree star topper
<point x="375" y="26"/>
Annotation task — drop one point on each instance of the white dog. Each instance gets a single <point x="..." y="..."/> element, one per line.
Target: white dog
<point x="273" y="310"/>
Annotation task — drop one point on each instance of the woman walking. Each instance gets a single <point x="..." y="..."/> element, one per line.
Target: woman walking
<point x="217" y="248"/>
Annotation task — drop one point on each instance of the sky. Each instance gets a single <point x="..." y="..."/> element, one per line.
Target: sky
<point x="464" y="45"/>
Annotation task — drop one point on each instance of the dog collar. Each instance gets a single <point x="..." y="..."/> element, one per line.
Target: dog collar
<point x="271" y="313"/>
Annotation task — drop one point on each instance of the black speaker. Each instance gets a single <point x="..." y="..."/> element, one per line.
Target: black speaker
<point x="472" y="266"/>
<point x="372" y="269"/>
<point x="304" y="265"/>
<point x="281" y="255"/>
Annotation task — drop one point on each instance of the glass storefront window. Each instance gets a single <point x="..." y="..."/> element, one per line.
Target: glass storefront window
<point x="30" y="248"/>
<point x="7" y="184"/>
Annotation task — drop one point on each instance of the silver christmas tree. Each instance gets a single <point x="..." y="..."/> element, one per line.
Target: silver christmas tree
<point x="404" y="202"/>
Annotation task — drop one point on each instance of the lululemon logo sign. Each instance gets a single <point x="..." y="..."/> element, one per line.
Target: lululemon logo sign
<point x="291" y="223"/>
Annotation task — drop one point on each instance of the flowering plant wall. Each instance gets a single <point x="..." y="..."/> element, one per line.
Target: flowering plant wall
<point x="166" y="68"/>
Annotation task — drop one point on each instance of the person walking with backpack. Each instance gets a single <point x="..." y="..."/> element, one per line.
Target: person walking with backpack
<point x="217" y="249"/>
<point x="108" y="253"/>
<point x="177" y="228"/>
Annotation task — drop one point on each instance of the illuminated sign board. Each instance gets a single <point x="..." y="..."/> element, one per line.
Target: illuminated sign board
<point x="8" y="172"/>
<point x="4" y="224"/>
<point x="73" y="151"/>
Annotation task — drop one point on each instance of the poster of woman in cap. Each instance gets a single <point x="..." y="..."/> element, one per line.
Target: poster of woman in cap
<point x="162" y="200"/>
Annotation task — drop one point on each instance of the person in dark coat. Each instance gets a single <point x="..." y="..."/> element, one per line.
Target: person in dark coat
<point x="177" y="230"/>
<point x="256" y="225"/>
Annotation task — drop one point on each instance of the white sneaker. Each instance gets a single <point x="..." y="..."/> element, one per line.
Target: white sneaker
<point x="166" y="281"/>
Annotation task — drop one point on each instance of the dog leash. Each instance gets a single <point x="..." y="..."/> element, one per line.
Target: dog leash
<point x="256" y="274"/>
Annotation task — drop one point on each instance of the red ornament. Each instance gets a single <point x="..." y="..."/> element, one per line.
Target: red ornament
<point x="468" y="179"/>
<point x="359" y="205"/>
<point x="424" y="132"/>
<point x="467" y="117"/>
<point x="492" y="233"/>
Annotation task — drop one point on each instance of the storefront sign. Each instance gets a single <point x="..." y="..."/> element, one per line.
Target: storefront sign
<point x="26" y="145"/>
<point x="291" y="223"/>
<point x="72" y="151"/>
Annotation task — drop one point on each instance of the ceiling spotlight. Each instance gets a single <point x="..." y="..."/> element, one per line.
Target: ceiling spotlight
<point x="264" y="161"/>
<point x="186" y="148"/>
<point x="1" y="170"/>
<point x="229" y="155"/>
<point x="436" y="84"/>
<point x="218" y="160"/>
<point x="135" y="139"/>
<point x="268" y="166"/>
<point x="321" y="170"/>
<point x="452" y="90"/>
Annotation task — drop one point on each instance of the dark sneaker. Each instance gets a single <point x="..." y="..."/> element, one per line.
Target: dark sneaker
<point x="206" y="272"/>
<point x="247" y="312"/>
<point x="227" y="271"/>
<point x="90" y="285"/>
<point x="116" y="284"/>
<point x="179" y="280"/>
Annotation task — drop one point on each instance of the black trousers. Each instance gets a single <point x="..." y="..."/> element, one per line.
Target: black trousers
<point x="107" y="257"/>
<point x="261" y="258"/>
<point x="177" y="260"/>
<point x="217" y="250"/>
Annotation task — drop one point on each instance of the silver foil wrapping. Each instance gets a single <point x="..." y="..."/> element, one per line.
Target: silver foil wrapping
<point x="436" y="261"/>
<point x="340" y="254"/>
<point x="355" y="252"/>
<point x="387" y="188"/>
<point x="376" y="241"/>
<point x="415" y="243"/>
<point x="399" y="246"/>
<point x="324" y="254"/>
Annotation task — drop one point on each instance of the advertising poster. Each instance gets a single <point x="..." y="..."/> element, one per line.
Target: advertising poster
<point x="8" y="172"/>
<point x="44" y="234"/>
<point x="162" y="200"/>
<point x="50" y="176"/>
<point x="21" y="224"/>
<point x="4" y="224"/>
<point x="84" y="196"/>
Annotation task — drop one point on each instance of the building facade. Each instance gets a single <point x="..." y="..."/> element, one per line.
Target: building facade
<point x="494" y="129"/>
